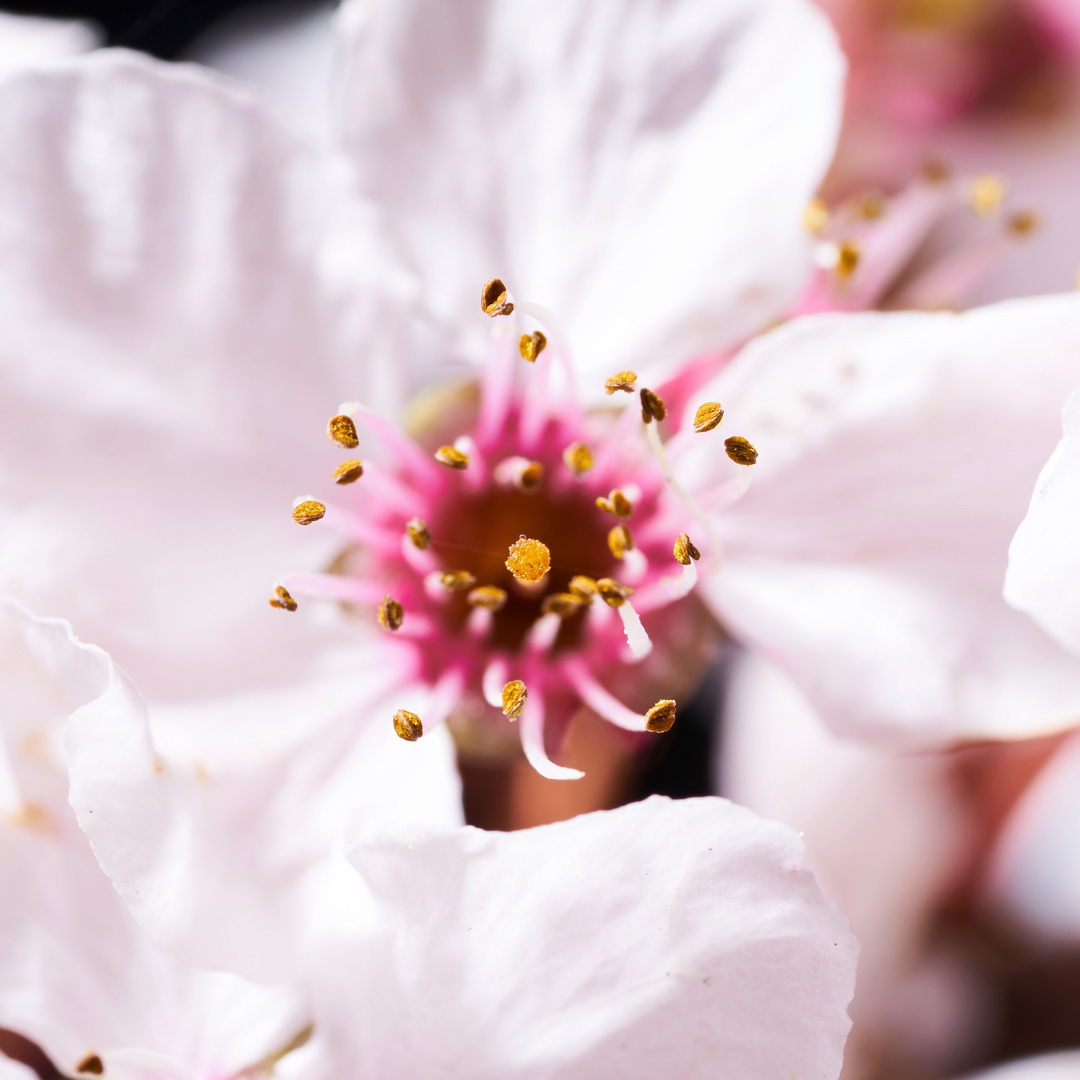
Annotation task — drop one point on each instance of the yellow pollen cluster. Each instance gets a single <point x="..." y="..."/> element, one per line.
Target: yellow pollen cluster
<point x="986" y="194"/>
<point x="487" y="596"/>
<point x="1022" y="222"/>
<point x="578" y="458"/>
<point x="418" y="534"/>
<point x="685" y="552"/>
<point x="740" y="451"/>
<point x="584" y="588"/>
<point x="616" y="504"/>
<point x="621" y="380"/>
<point x="708" y="417"/>
<point x="532" y="345"/>
<point x="847" y="259"/>
<point x="281" y="599"/>
<point x="528" y="477"/>
<point x="456" y="580"/>
<point x="652" y="407"/>
<point x="612" y="592"/>
<point x="514" y="694"/>
<point x="408" y="725"/>
<point x="661" y="716"/>
<point x="620" y="540"/>
<point x="391" y="614"/>
<point x="308" y="511"/>
<point x="495" y="300"/>
<point x="529" y="560"/>
<point x="451" y="457"/>
<point x="348" y="472"/>
<point x="342" y="430"/>
<point x="563" y="604"/>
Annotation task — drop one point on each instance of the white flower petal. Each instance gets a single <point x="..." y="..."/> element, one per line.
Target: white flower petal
<point x="664" y="938"/>
<point x="1064" y="1065"/>
<point x="635" y="167"/>
<point x="1043" y="577"/>
<point x="77" y="975"/>
<point x="173" y="276"/>
<point x="217" y="821"/>
<point x="26" y="40"/>
<point x="897" y="456"/>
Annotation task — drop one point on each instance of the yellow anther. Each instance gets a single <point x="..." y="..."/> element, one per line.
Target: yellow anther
<point x="815" y="217"/>
<point x="847" y="259"/>
<point x="869" y="207"/>
<point x="514" y="694"/>
<point x="620" y="540"/>
<point x="708" y="416"/>
<point x="685" y="552"/>
<point x="408" y="725"/>
<point x="621" y="380"/>
<point x="342" y="430"/>
<point x="91" y="1064"/>
<point x="391" y="614"/>
<point x="456" y="580"/>
<point x="661" y="716"/>
<point x="584" y="588"/>
<point x="578" y="458"/>
<point x="616" y="504"/>
<point x="529" y="560"/>
<point x="418" y="534"/>
<point x="451" y="457"/>
<point x="348" y="472"/>
<point x="612" y="592"/>
<point x="495" y="300"/>
<point x="487" y="596"/>
<point x="532" y="345"/>
<point x="528" y="477"/>
<point x="652" y="408"/>
<point x="986" y="194"/>
<point x="304" y="513"/>
<point x="563" y="604"/>
<point x="281" y="599"/>
<point x="740" y="451"/>
<point x="1022" y="222"/>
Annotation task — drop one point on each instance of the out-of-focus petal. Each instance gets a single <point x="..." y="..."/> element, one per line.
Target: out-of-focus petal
<point x="217" y="822"/>
<point x="27" y="40"/>
<point x="1061" y="1066"/>
<point x="636" y="168"/>
<point x="77" y="976"/>
<point x="897" y="456"/>
<point x="175" y="330"/>
<point x="662" y="938"/>
<point x="1043" y="576"/>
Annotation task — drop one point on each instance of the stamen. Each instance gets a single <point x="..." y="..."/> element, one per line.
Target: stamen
<point x="847" y="259"/>
<point x="456" y="580"/>
<point x="621" y="380"/>
<point x="986" y="194"/>
<point x="616" y="504"/>
<point x="490" y="597"/>
<point x="532" y="743"/>
<point x="563" y="604"/>
<point x="348" y="472"/>
<point x="708" y="416"/>
<point x="578" y="458"/>
<point x="529" y="560"/>
<point x="652" y="408"/>
<point x="307" y="511"/>
<point x="611" y="592"/>
<point x="391" y="614"/>
<point x="342" y="430"/>
<point x="661" y="716"/>
<point x="685" y="550"/>
<point x="523" y="474"/>
<point x="666" y="591"/>
<point x="1022" y="222"/>
<point x="543" y="632"/>
<point x="532" y="345"/>
<point x="740" y="451"/>
<point x="600" y="700"/>
<point x="282" y="599"/>
<point x="337" y="587"/>
<point x="451" y="457"/>
<point x="418" y="534"/>
<point x="514" y="695"/>
<point x="620" y="540"/>
<point x="636" y="636"/>
<point x="91" y="1064"/>
<point x="584" y="588"/>
<point x="408" y="725"/>
<point x="815" y="217"/>
<point x="495" y="300"/>
<point x="492" y="681"/>
<point x="869" y="207"/>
